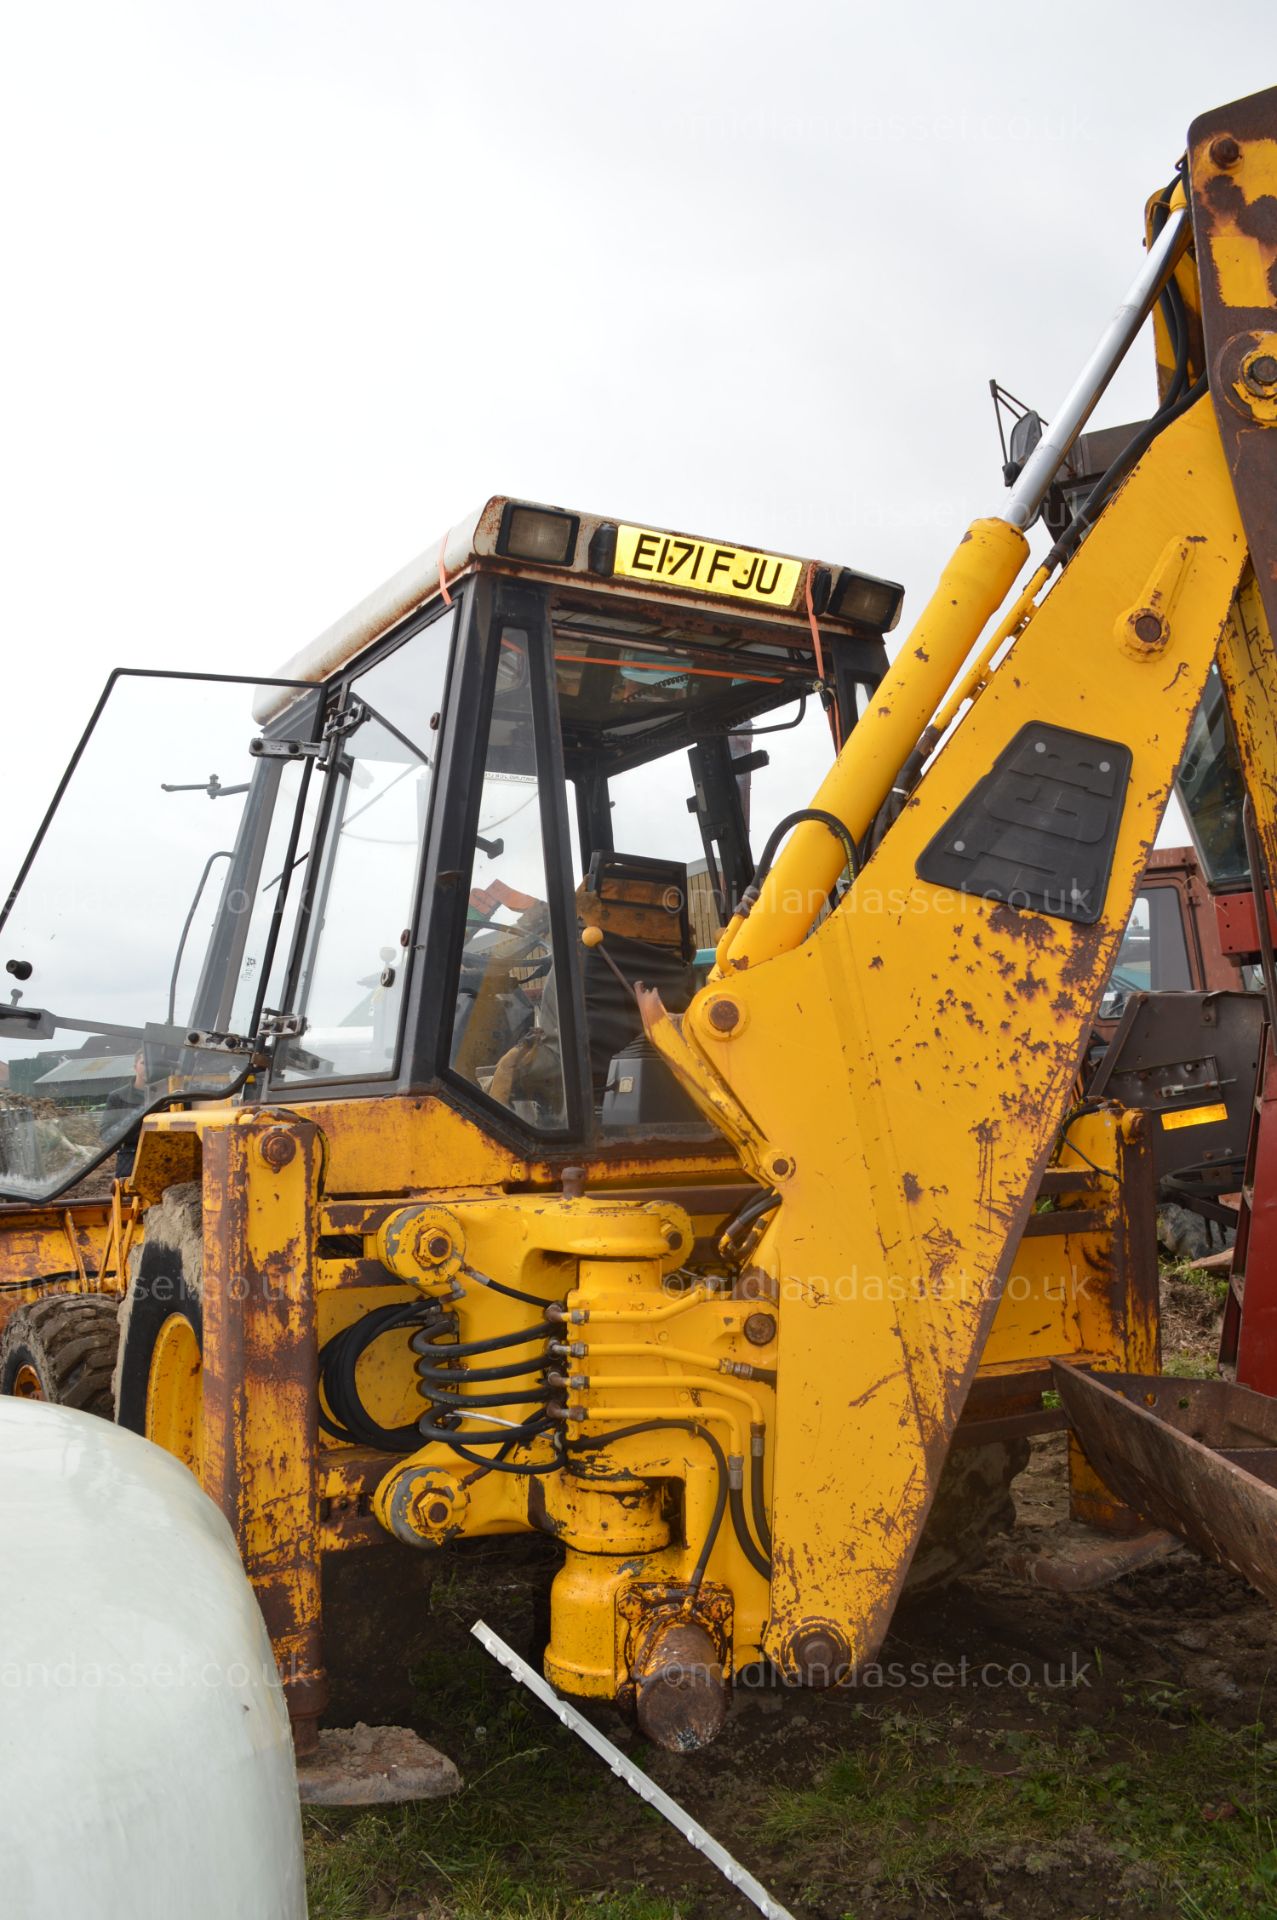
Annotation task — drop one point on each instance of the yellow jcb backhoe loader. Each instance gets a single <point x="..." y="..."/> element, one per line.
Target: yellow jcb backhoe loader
<point x="446" y="1206"/>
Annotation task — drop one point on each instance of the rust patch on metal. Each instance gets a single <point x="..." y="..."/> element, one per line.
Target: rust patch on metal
<point x="1198" y="1457"/>
<point x="1032" y="928"/>
<point x="1235" y="227"/>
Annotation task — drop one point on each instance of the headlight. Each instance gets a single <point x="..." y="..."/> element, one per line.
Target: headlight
<point x="538" y="533"/>
<point x="869" y="602"/>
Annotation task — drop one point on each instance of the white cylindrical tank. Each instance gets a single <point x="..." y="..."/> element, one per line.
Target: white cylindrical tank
<point x="146" y="1766"/>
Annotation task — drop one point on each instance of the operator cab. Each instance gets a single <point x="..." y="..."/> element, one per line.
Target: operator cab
<point x="371" y="874"/>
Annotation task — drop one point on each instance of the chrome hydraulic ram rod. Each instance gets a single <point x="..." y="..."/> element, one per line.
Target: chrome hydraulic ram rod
<point x="1083" y="396"/>
<point x="973" y="586"/>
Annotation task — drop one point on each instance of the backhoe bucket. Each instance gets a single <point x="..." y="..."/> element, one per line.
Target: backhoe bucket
<point x="1196" y="1456"/>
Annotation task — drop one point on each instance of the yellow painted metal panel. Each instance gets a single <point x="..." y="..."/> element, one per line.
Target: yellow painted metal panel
<point x="941" y="1037"/>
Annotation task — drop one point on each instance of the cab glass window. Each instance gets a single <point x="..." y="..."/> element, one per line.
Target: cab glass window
<point x="1211" y="791"/>
<point x="350" y="988"/>
<point x="1153" y="956"/>
<point x="505" y="1036"/>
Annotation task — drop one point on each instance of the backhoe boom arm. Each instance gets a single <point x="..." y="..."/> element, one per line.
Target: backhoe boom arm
<point x="900" y="1073"/>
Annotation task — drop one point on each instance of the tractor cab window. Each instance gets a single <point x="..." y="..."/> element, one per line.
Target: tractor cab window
<point x="1211" y="791"/>
<point x="142" y="939"/>
<point x="658" y="746"/>
<point x="1153" y="956"/>
<point x="617" y="768"/>
<point x="363" y="891"/>
<point x="505" y="1032"/>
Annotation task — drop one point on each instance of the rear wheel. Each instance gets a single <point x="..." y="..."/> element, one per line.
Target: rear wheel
<point x="62" y="1349"/>
<point x="159" y="1380"/>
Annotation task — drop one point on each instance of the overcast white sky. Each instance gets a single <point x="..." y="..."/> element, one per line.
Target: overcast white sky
<point x="291" y="287"/>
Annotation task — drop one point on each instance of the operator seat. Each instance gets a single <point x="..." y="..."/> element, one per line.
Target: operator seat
<point x="640" y="905"/>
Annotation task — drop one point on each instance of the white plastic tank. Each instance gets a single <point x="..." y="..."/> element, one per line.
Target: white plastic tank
<point x="146" y="1766"/>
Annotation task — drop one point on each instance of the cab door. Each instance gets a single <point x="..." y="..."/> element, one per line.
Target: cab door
<point x="142" y="936"/>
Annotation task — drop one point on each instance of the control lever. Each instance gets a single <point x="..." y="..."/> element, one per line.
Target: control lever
<point x="592" y="938"/>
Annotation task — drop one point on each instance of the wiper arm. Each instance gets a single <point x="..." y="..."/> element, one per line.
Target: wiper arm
<point x="37" y="1023"/>
<point x="212" y="787"/>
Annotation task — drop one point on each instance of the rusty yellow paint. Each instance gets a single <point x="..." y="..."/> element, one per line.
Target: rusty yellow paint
<point x="168" y="1151"/>
<point x="259" y="1379"/>
<point x="60" y="1239"/>
<point x="898" y="1076"/>
<point x="408" y="1144"/>
<point x="1242" y="247"/>
<point x="940" y="1038"/>
<point x="83" y="1247"/>
<point x="1248" y="669"/>
<point x="1072" y="1290"/>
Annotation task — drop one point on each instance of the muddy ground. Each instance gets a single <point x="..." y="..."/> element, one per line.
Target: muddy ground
<point x="1018" y="1754"/>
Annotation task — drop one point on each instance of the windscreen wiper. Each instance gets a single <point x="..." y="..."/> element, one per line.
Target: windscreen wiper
<point x="212" y="787"/>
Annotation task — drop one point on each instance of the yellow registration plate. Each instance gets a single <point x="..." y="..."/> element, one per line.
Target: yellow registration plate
<point x="1194" y="1117"/>
<point x="706" y="566"/>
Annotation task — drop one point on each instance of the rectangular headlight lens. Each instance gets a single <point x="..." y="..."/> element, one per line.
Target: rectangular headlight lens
<point x="537" y="533"/>
<point x="869" y="602"/>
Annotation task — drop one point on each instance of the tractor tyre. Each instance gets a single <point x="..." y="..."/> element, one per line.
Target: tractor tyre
<point x="1183" y="1234"/>
<point x="158" y="1376"/>
<point x="973" y="1505"/>
<point x="62" y="1349"/>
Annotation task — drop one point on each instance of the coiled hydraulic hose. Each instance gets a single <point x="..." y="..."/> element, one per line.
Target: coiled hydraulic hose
<point x="344" y="1415"/>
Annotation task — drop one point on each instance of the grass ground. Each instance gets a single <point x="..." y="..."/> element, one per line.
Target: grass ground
<point x="1153" y="1809"/>
<point x="1147" y="1786"/>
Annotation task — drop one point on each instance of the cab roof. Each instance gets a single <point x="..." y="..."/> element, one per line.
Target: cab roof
<point x="652" y="564"/>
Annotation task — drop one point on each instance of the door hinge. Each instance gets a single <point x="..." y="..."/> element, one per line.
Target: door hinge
<point x="336" y="727"/>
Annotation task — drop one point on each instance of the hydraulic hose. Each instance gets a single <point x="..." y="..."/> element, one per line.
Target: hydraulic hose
<point x="761" y="1526"/>
<point x="346" y="1417"/>
<point x="1108" y="482"/>
<point x="745" y="1540"/>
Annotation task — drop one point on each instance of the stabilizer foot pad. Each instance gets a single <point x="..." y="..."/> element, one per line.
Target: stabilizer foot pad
<point x="364" y="1766"/>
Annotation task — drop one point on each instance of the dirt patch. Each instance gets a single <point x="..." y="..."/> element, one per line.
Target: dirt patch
<point x="1192" y="1304"/>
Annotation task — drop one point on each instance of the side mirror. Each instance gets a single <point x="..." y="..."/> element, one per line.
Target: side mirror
<point x="1025" y="434"/>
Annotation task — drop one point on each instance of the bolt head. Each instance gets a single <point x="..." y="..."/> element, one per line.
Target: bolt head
<point x="1225" y="152"/>
<point x="1260" y="374"/>
<point x="1150" y="629"/>
<point x="819" y="1656"/>
<point x="436" y="1504"/>
<point x="724" y="1015"/>
<point x="438" y="1246"/>
<point x="759" y="1329"/>
<point x="277" y="1147"/>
